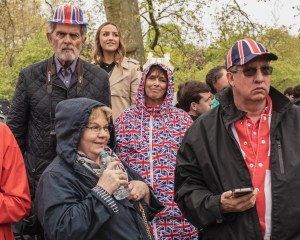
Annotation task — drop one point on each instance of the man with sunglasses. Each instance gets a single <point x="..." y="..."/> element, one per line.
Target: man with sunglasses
<point x="249" y="141"/>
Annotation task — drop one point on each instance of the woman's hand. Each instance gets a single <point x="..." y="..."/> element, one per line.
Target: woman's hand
<point x="112" y="178"/>
<point x="139" y="190"/>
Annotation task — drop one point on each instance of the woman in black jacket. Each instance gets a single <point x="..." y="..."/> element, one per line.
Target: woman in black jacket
<point x="74" y="198"/>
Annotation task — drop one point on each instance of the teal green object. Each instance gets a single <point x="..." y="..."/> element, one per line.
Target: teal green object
<point x="214" y="103"/>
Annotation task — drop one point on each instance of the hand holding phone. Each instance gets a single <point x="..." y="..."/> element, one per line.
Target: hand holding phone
<point x="241" y="191"/>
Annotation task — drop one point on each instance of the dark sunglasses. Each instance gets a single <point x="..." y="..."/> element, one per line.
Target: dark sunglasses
<point x="251" y="71"/>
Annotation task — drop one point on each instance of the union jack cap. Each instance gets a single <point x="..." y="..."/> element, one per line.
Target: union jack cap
<point x="68" y="15"/>
<point x="243" y="51"/>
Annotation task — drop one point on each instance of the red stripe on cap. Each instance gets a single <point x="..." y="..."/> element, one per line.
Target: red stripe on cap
<point x="252" y="45"/>
<point x="241" y="52"/>
<point x="229" y="60"/>
<point x="68" y="14"/>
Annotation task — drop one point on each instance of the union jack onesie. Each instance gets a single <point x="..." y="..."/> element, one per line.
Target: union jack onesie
<point x="148" y="139"/>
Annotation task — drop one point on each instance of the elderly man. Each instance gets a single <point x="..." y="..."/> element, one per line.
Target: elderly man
<point x="249" y="141"/>
<point x="43" y="85"/>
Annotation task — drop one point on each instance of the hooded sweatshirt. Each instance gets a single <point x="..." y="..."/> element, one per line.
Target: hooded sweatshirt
<point x="69" y="204"/>
<point x="148" y="139"/>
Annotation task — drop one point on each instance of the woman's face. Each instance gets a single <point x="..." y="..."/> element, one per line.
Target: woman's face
<point x="156" y="86"/>
<point x="109" y="38"/>
<point x="95" y="136"/>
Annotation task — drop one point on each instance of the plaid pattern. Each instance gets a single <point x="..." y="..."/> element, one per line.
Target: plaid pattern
<point x="244" y="51"/>
<point x="68" y="15"/>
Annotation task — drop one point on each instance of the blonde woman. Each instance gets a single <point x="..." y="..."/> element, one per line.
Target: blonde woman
<point x="124" y="73"/>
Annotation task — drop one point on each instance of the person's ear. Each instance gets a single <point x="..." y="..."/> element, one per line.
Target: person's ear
<point x="230" y="78"/>
<point x="49" y="37"/>
<point x="193" y="106"/>
<point x="83" y="40"/>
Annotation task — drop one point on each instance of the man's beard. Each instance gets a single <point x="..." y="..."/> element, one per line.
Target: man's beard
<point x="68" y="56"/>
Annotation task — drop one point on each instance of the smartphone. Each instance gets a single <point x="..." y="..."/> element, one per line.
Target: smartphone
<point x="241" y="191"/>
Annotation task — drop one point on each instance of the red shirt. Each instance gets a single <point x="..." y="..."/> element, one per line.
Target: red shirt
<point x="254" y="141"/>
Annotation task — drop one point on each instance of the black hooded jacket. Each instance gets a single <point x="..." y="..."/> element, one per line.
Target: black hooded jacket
<point x="67" y="202"/>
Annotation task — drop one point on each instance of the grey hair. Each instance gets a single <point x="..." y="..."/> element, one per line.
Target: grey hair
<point x="233" y="69"/>
<point x="83" y="29"/>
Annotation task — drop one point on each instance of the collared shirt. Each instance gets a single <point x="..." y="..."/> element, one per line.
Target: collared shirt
<point x="65" y="74"/>
<point x="254" y="141"/>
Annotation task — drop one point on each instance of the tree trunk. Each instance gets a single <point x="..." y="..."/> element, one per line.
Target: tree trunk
<point x="125" y="13"/>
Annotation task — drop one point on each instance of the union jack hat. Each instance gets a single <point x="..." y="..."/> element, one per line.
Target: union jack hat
<point x="68" y="15"/>
<point x="243" y="51"/>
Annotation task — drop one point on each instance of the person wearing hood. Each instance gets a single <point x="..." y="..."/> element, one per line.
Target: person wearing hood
<point x="74" y="198"/>
<point x="148" y="136"/>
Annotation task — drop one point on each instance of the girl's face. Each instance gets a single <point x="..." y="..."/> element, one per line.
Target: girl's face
<point x="109" y="38"/>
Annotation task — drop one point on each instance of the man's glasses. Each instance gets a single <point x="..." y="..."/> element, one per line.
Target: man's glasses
<point x="251" y="71"/>
<point x="97" y="129"/>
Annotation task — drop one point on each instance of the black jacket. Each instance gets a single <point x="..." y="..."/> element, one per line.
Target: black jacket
<point x="67" y="204"/>
<point x="296" y="101"/>
<point x="29" y="117"/>
<point x="210" y="162"/>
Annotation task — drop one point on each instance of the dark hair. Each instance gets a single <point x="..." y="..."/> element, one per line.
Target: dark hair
<point x="189" y="92"/>
<point x="296" y="91"/>
<point x="159" y="69"/>
<point x="213" y="76"/>
<point x="98" y="52"/>
<point x="289" y="91"/>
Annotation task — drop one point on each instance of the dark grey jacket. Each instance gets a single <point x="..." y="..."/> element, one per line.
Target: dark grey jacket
<point x="210" y="162"/>
<point x="68" y="205"/>
<point x="29" y="117"/>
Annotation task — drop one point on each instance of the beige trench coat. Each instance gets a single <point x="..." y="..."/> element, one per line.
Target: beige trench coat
<point x="123" y="85"/>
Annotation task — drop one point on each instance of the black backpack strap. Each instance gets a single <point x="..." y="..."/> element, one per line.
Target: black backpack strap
<point x="79" y="70"/>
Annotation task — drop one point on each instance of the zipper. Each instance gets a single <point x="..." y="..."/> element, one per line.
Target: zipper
<point x="279" y="149"/>
<point x="150" y="150"/>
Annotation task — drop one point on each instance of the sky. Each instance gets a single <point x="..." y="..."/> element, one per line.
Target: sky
<point x="273" y="13"/>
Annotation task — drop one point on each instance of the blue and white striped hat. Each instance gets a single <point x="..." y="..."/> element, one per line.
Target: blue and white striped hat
<point x="244" y="51"/>
<point x="68" y="15"/>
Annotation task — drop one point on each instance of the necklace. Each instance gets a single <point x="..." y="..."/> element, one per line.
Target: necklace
<point x="108" y="67"/>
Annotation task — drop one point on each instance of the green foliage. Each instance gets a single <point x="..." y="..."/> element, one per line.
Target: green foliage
<point x="33" y="51"/>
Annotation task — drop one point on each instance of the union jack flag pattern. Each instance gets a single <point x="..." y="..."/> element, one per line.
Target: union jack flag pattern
<point x="148" y="139"/>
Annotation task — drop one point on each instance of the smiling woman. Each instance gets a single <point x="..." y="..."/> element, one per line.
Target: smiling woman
<point x="75" y="196"/>
<point x="124" y="73"/>
<point x="156" y="85"/>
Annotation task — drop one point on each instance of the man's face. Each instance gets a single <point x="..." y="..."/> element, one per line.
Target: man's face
<point x="221" y="82"/>
<point x="66" y="41"/>
<point x="251" y="89"/>
<point x="203" y="105"/>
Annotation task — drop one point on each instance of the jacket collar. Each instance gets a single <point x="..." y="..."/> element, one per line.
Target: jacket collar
<point x="230" y="113"/>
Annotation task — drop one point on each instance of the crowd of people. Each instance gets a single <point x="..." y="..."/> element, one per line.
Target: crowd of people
<point x="181" y="165"/>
